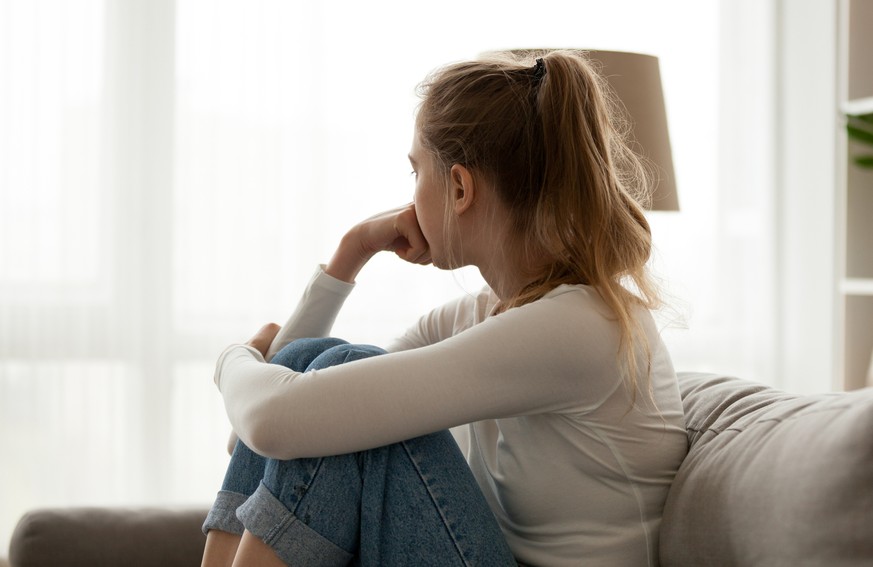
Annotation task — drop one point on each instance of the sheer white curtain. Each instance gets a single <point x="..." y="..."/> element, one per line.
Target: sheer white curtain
<point x="171" y="172"/>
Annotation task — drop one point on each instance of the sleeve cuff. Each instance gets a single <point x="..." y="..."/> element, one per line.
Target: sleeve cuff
<point x="321" y="279"/>
<point x="233" y="353"/>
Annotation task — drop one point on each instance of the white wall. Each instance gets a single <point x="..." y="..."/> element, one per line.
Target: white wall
<point x="805" y="202"/>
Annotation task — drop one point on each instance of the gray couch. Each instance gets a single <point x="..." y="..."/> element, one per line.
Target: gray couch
<point x="771" y="479"/>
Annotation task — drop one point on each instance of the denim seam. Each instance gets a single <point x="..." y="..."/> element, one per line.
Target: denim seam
<point x="276" y="532"/>
<point x="308" y="485"/>
<point x="433" y="499"/>
<point x="280" y="528"/>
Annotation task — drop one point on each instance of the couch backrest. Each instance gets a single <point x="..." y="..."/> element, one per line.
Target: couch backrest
<point x="771" y="478"/>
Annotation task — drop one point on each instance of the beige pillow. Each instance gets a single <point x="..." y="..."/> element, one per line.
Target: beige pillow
<point x="771" y="478"/>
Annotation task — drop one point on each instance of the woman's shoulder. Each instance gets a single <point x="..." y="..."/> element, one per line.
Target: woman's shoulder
<point x="573" y="303"/>
<point x="573" y="315"/>
<point x="581" y="300"/>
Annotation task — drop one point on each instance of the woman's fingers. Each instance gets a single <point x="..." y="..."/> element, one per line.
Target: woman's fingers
<point x="410" y="244"/>
<point x="395" y="231"/>
<point x="264" y="338"/>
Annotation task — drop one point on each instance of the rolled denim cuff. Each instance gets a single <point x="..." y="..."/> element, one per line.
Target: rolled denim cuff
<point x="222" y="515"/>
<point x="292" y="540"/>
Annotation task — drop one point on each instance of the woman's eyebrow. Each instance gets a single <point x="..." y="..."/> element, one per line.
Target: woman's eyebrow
<point x="411" y="160"/>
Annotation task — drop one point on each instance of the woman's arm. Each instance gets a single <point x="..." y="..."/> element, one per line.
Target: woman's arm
<point x="396" y="230"/>
<point x="556" y="354"/>
<point x="316" y="311"/>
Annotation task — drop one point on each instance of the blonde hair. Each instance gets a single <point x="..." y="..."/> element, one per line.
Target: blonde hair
<point x="548" y="138"/>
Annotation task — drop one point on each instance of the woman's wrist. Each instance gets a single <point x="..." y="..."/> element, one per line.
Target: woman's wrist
<point x="348" y="260"/>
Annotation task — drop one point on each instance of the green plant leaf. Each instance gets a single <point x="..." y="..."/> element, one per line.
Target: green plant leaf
<point x="859" y="134"/>
<point x="864" y="161"/>
<point x="863" y="121"/>
<point x="863" y="117"/>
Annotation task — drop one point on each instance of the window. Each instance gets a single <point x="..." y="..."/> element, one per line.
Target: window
<point x="171" y="173"/>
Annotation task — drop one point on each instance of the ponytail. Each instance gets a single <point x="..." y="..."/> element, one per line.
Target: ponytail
<point x="548" y="137"/>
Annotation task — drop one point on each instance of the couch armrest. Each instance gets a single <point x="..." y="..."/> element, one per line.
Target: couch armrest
<point x="109" y="536"/>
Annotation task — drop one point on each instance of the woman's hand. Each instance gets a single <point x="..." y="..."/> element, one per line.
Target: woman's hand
<point x="395" y="231"/>
<point x="264" y="338"/>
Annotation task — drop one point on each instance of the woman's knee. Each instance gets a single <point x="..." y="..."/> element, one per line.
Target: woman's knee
<point x="342" y="353"/>
<point x="299" y="354"/>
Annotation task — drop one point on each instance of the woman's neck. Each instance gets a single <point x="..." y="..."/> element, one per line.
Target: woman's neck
<point x="490" y="242"/>
<point x="508" y="269"/>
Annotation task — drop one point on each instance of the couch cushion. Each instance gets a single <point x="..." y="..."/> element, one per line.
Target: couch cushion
<point x="95" y="537"/>
<point x="771" y="478"/>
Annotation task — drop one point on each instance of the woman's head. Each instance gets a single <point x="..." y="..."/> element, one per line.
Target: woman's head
<point x="543" y="132"/>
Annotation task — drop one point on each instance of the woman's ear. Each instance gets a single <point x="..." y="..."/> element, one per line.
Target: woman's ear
<point x="463" y="188"/>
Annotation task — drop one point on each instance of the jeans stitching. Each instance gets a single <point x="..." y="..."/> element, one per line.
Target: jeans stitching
<point x="292" y="515"/>
<point x="433" y="498"/>
<point x="308" y="485"/>
<point x="276" y="532"/>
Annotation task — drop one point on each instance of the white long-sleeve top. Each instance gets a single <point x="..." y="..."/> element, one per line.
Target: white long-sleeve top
<point x="574" y="471"/>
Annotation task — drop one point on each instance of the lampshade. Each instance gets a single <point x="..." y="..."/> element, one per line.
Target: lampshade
<point x="635" y="79"/>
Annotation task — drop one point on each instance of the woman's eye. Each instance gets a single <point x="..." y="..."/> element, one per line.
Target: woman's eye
<point x="413" y="173"/>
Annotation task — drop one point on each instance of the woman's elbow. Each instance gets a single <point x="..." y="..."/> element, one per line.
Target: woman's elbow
<point x="262" y="436"/>
<point x="231" y="442"/>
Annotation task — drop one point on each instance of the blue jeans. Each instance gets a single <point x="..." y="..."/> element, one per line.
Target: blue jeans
<point x="411" y="503"/>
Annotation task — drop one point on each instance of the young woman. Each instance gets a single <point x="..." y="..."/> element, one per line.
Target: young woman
<point x="573" y="426"/>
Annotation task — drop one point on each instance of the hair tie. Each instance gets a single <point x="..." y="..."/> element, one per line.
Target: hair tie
<point x="539" y="69"/>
